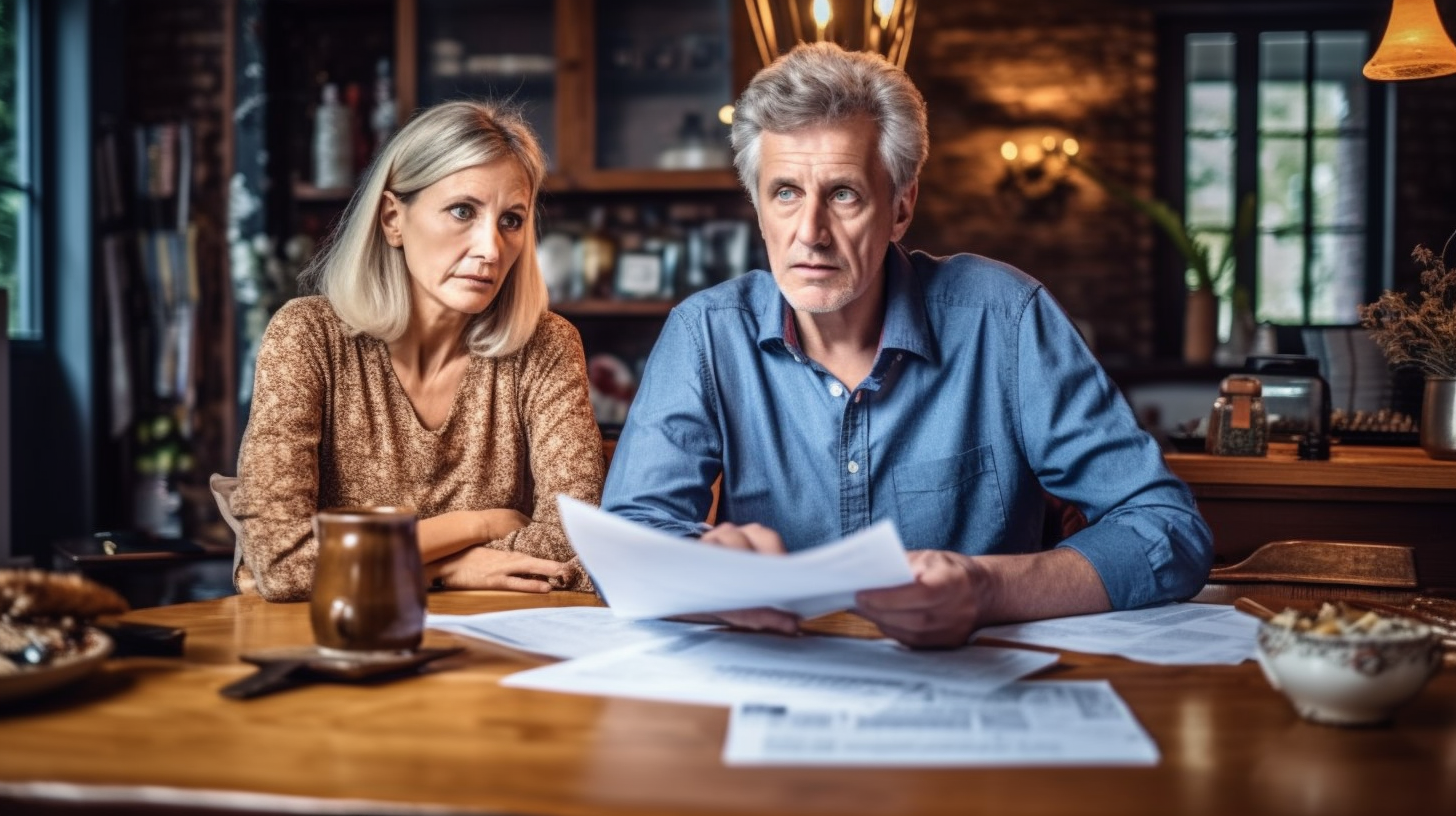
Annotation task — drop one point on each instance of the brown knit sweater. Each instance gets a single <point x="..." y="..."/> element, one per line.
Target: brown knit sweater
<point x="331" y="426"/>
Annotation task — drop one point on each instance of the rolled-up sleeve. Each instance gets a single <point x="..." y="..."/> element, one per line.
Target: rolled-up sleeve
<point x="1145" y="537"/>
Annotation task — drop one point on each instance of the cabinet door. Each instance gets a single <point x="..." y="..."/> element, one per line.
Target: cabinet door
<point x="491" y="49"/>
<point x="662" y="85"/>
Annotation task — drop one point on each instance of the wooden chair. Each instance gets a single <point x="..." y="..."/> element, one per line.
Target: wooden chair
<point x="1318" y="570"/>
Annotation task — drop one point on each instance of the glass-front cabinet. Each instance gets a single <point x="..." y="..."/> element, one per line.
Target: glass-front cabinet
<point x="626" y="95"/>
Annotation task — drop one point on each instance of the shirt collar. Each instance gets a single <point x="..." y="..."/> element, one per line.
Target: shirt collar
<point x="906" y="326"/>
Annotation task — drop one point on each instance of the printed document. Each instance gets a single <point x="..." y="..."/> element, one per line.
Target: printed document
<point x="722" y="668"/>
<point x="1173" y="634"/>
<point x="1067" y="722"/>
<point x="646" y="573"/>
<point x="564" y="632"/>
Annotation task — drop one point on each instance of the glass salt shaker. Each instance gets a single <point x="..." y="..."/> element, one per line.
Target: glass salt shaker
<point x="1238" y="425"/>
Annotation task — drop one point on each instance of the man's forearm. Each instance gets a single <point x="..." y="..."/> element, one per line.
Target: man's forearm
<point x="1050" y="584"/>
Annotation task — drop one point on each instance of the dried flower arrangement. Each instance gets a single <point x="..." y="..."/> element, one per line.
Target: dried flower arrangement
<point x="1424" y="334"/>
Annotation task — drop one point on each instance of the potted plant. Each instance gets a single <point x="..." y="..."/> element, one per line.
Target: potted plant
<point x="1208" y="281"/>
<point x="1423" y="334"/>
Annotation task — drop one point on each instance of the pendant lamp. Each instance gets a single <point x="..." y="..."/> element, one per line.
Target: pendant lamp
<point x="881" y="26"/>
<point x="1415" y="45"/>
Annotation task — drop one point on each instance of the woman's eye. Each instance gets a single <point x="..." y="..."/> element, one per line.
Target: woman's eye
<point x="463" y="212"/>
<point x="512" y="221"/>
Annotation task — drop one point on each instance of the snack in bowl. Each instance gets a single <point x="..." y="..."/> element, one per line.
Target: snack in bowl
<point x="44" y="617"/>
<point x="1345" y="666"/>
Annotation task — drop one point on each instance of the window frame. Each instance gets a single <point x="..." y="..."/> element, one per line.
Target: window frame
<point x="1171" y="179"/>
<point x="28" y="182"/>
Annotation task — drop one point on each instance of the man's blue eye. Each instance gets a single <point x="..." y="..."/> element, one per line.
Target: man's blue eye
<point x="844" y="195"/>
<point x="785" y="194"/>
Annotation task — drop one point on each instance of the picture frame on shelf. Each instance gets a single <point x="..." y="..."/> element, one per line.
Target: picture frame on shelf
<point x="639" y="275"/>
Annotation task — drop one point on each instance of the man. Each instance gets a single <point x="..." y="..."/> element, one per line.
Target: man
<point x="857" y="382"/>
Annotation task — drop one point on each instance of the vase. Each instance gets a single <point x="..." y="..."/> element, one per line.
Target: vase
<point x="1438" y="418"/>
<point x="1200" y="327"/>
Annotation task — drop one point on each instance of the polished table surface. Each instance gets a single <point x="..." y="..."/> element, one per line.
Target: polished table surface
<point x="1374" y="467"/>
<point x="155" y="731"/>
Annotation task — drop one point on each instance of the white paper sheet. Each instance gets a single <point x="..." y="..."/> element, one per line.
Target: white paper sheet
<point x="565" y="632"/>
<point x="1174" y="634"/>
<point x="722" y="668"/>
<point x="1065" y="722"/>
<point x="646" y="573"/>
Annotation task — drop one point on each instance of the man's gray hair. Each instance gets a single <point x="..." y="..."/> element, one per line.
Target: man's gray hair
<point x="821" y="83"/>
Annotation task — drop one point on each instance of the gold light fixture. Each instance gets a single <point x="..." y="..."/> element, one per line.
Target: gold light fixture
<point x="1415" y="45"/>
<point x="881" y="26"/>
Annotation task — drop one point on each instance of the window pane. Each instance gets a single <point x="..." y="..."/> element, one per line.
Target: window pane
<point x="1337" y="276"/>
<point x="1282" y="83"/>
<point x="1339" y="182"/>
<point x="1340" y="91"/>
<point x="1281" y="274"/>
<point x="1211" y="91"/>
<point x="16" y="198"/>
<point x="1281" y="182"/>
<point x="1210" y="182"/>
<point x="1218" y="247"/>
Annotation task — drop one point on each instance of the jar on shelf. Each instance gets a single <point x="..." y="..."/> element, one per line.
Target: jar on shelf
<point x="1238" y="424"/>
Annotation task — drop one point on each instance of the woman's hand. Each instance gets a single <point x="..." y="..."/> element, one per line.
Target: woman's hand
<point x="451" y="533"/>
<point x="484" y="568"/>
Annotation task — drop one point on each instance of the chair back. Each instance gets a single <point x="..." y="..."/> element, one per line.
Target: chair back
<point x="1319" y="570"/>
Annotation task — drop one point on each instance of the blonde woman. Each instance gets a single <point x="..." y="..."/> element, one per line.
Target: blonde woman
<point x="426" y="373"/>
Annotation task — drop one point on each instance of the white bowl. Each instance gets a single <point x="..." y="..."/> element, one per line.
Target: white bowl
<point x="1348" y="679"/>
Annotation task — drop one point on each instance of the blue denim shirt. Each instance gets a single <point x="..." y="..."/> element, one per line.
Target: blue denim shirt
<point x="981" y="395"/>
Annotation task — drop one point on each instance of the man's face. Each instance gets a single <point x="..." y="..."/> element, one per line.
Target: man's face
<point x="828" y="212"/>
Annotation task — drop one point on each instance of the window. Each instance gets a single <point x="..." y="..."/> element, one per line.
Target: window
<point x="1281" y="117"/>
<point x="18" y="200"/>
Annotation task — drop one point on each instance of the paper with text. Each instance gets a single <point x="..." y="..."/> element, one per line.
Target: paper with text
<point x="1044" y="722"/>
<point x="565" y="632"/>
<point x="1173" y="634"/>
<point x="721" y="668"/>
<point x="646" y="573"/>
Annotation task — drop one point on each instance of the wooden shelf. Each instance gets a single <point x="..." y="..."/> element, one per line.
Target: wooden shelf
<point x="596" y="307"/>
<point x="303" y="191"/>
<point x="646" y="180"/>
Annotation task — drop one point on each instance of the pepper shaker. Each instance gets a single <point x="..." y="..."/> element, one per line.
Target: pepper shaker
<point x="1238" y="425"/>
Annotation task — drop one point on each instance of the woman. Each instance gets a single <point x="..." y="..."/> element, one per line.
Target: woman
<point x="426" y="373"/>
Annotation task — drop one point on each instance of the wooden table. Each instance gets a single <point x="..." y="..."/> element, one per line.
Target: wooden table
<point x="1391" y="495"/>
<point x="155" y="730"/>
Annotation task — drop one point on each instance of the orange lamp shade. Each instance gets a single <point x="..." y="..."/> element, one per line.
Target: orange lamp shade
<point x="1415" y="45"/>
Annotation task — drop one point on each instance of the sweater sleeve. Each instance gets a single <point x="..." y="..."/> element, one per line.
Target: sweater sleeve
<point x="564" y="443"/>
<point x="278" y="464"/>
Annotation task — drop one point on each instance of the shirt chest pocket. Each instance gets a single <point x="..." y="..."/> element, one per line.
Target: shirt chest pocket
<point x="938" y="500"/>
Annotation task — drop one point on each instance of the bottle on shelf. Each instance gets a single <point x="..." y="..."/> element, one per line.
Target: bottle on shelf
<point x="663" y="238"/>
<point x="598" y="256"/>
<point x="333" y="145"/>
<point x="354" y="102"/>
<point x="383" y="118"/>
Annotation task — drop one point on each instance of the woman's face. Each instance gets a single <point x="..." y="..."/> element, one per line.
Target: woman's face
<point x="461" y="235"/>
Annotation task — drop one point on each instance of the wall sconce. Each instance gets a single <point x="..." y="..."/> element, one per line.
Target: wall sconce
<point x="881" y="26"/>
<point x="1415" y="45"/>
<point x="1037" y="179"/>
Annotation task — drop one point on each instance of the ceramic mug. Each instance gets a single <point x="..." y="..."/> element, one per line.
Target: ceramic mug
<point x="368" y="587"/>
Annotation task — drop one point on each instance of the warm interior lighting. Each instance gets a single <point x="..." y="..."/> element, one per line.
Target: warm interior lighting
<point x="822" y="15"/>
<point x="725" y="114"/>
<point x="1036" y="182"/>
<point x="1415" y="45"/>
<point x="881" y="26"/>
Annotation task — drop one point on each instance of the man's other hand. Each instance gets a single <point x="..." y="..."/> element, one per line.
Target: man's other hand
<point x="939" y="610"/>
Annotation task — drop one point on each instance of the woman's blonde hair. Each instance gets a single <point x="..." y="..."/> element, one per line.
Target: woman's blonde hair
<point x="365" y="279"/>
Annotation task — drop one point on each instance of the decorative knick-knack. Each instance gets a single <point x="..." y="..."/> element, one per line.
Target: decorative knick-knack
<point x="333" y="146"/>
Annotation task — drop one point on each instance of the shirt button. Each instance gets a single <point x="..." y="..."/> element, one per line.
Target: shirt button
<point x="899" y="357"/>
<point x="836" y="390"/>
<point x="854" y="467"/>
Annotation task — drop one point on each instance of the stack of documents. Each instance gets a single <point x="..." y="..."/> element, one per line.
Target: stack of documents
<point x="1173" y="634"/>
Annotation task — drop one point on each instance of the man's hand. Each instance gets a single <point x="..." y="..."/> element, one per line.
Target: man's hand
<point x="939" y="610"/>
<point x="751" y="538"/>
<point x="484" y="568"/>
